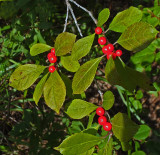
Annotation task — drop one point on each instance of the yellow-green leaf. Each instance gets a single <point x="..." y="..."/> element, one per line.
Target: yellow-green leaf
<point x="108" y="100"/>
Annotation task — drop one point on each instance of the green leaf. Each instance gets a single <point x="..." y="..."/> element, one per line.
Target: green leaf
<point x="107" y="150"/>
<point x="70" y="64"/>
<point x="54" y="92"/>
<point x="125" y="18"/>
<point x="82" y="47"/>
<point x="108" y="100"/>
<point x="126" y="146"/>
<point x="90" y="121"/>
<point x="39" y="48"/>
<point x="89" y="152"/>
<point x="103" y="17"/>
<point x="79" y="109"/>
<point x="24" y="76"/>
<point x="139" y="153"/>
<point x="78" y="143"/>
<point x="39" y="89"/>
<point x="84" y="76"/>
<point x="143" y="132"/>
<point x="137" y="36"/>
<point x="117" y="73"/>
<point x="64" y="43"/>
<point x="123" y="128"/>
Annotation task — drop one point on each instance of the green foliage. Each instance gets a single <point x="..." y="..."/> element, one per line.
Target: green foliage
<point x="124" y="128"/>
<point x="84" y="76"/>
<point x="24" y="76"/>
<point x="78" y="143"/>
<point x="132" y="40"/>
<point x="108" y="100"/>
<point x="54" y="92"/>
<point x="124" y="19"/>
<point x="79" y="109"/>
<point x="103" y="17"/>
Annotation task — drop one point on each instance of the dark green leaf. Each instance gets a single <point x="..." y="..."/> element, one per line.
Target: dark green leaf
<point x="84" y="76"/>
<point x="54" y="92"/>
<point x="79" y="109"/>
<point x="137" y="36"/>
<point x="24" y="76"/>
<point x="126" y="146"/>
<point x="78" y="143"/>
<point x="123" y="128"/>
<point x="70" y="64"/>
<point x="117" y="73"/>
<point x="64" y="43"/>
<point x="39" y="89"/>
<point x="125" y="18"/>
<point x="39" y="48"/>
<point x="108" y="100"/>
<point x="103" y="17"/>
<point x="139" y="153"/>
<point x="82" y="47"/>
<point x="143" y="132"/>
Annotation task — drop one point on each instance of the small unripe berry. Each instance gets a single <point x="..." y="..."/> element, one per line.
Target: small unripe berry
<point x="53" y="59"/>
<point x="102" y="40"/>
<point x="118" y="53"/>
<point x="100" y="111"/>
<point x="107" y="126"/>
<point x="53" y="51"/>
<point x="52" y="69"/>
<point x="102" y="120"/>
<point x="98" y="30"/>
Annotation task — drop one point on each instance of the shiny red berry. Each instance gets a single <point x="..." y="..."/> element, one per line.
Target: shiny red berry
<point x="100" y="111"/>
<point x="118" y="53"/>
<point x="102" y="120"/>
<point x="50" y="55"/>
<point x="102" y="40"/>
<point x="107" y="126"/>
<point x="53" y="59"/>
<point x="53" y="51"/>
<point x="111" y="54"/>
<point x="52" y="69"/>
<point x="110" y="48"/>
<point x="98" y="30"/>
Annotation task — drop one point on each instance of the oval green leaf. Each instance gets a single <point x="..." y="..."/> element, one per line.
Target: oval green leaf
<point x="39" y="48"/>
<point x="82" y="47"/>
<point x="123" y="128"/>
<point x="137" y="36"/>
<point x="24" y="76"/>
<point x="79" y="109"/>
<point x="84" y="76"/>
<point x="125" y="18"/>
<point x="108" y="100"/>
<point x="139" y="153"/>
<point x="70" y="64"/>
<point x="64" y="43"/>
<point x="103" y="17"/>
<point x="39" y="89"/>
<point x="78" y="143"/>
<point x="143" y="132"/>
<point x="54" y="92"/>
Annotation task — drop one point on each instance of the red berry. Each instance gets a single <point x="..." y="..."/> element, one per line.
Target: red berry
<point x="50" y="55"/>
<point x="100" y="111"/>
<point x="102" y="120"/>
<point x="53" y="51"/>
<point x="53" y="59"/>
<point x="98" y="30"/>
<point x="102" y="40"/>
<point x="118" y="53"/>
<point x="52" y="69"/>
<point x="110" y="47"/>
<point x="111" y="54"/>
<point x="107" y="126"/>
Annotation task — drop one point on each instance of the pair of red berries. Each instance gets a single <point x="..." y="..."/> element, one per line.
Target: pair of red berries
<point x="107" y="49"/>
<point x="102" y="120"/>
<point x="52" y="59"/>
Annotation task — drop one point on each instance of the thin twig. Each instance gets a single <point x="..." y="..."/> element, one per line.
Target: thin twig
<point x="65" y="26"/>
<point x="99" y="91"/>
<point x="106" y="31"/>
<point x="115" y="43"/>
<point x="90" y="14"/>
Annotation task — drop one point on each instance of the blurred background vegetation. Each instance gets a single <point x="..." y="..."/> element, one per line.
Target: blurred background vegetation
<point x="29" y="129"/>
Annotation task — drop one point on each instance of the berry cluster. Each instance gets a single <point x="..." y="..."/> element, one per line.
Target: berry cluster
<point x="107" y="49"/>
<point x="102" y="120"/>
<point x="52" y="59"/>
